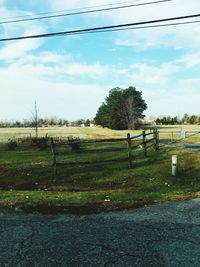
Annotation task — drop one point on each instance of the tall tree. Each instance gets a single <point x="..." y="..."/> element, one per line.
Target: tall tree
<point x="121" y="109"/>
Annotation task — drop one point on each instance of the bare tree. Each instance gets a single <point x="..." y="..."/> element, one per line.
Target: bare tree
<point x="130" y="112"/>
<point x="35" y="118"/>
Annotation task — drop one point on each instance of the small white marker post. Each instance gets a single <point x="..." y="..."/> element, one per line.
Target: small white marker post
<point x="183" y="134"/>
<point x="174" y="165"/>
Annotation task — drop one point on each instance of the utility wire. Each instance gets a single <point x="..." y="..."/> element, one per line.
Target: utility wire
<point x="70" y="10"/>
<point x="147" y="27"/>
<point x="84" y="12"/>
<point x="99" y="29"/>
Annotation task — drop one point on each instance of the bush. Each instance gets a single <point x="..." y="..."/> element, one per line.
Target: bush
<point x="12" y="144"/>
<point x="74" y="143"/>
<point x="40" y="142"/>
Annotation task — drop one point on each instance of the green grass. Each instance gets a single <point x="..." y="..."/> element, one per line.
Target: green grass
<point x="26" y="178"/>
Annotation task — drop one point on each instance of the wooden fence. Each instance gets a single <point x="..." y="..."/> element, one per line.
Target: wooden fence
<point x="177" y="134"/>
<point x="76" y="146"/>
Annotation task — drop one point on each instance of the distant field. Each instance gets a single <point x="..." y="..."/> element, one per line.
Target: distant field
<point x="187" y="127"/>
<point x="167" y="132"/>
<point x="82" y="132"/>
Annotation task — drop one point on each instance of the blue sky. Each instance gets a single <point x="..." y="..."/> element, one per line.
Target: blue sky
<point x="70" y="76"/>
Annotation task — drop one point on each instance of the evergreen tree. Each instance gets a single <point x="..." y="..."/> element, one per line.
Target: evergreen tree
<point x="121" y="109"/>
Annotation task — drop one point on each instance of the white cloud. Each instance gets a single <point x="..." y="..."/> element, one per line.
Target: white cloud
<point x="86" y="69"/>
<point x="52" y="63"/>
<point x="144" y="73"/>
<point x="190" y="60"/>
<point x="14" y="50"/>
<point x="26" y="84"/>
<point x="65" y="5"/>
<point x="46" y="57"/>
<point x="187" y="36"/>
<point x="51" y="66"/>
<point x="177" y="37"/>
<point x="173" y="100"/>
<point x="189" y="85"/>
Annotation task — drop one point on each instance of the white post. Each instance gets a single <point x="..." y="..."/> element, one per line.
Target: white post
<point x="174" y="165"/>
<point x="183" y="134"/>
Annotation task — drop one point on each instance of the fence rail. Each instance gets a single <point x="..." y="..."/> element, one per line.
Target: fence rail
<point x="66" y="148"/>
<point x="178" y="134"/>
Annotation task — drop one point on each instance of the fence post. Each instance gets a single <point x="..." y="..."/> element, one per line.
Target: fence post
<point x="144" y="144"/>
<point x="156" y="139"/>
<point x="53" y="157"/>
<point x="129" y="150"/>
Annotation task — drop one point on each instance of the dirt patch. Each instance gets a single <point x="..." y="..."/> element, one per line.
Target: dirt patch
<point x="93" y="207"/>
<point x="99" y="207"/>
<point x="87" y="208"/>
<point x="62" y="187"/>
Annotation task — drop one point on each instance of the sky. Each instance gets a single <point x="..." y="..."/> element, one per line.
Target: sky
<point x="70" y="76"/>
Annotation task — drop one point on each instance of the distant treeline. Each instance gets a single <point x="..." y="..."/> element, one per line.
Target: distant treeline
<point x="186" y="119"/>
<point x="166" y="120"/>
<point x="43" y="123"/>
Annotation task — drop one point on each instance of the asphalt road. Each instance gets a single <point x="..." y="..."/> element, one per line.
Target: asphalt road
<point x="159" y="235"/>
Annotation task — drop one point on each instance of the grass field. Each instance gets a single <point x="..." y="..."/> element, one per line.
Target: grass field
<point x="91" y="133"/>
<point x="26" y="178"/>
<point x="82" y="132"/>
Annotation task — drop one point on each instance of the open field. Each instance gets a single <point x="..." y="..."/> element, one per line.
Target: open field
<point x="82" y="132"/>
<point x="96" y="132"/>
<point x="26" y="178"/>
<point x="185" y="127"/>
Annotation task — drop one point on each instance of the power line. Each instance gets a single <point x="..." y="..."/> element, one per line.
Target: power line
<point x="70" y="10"/>
<point x="85" y="12"/>
<point x="101" y="29"/>
<point x="147" y="27"/>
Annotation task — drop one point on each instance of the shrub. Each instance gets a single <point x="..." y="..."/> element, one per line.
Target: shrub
<point x="12" y="144"/>
<point x="74" y="143"/>
<point x="40" y="142"/>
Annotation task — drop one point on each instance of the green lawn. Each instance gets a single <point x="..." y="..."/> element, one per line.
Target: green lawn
<point x="26" y="179"/>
